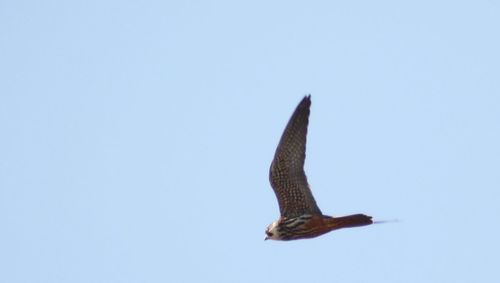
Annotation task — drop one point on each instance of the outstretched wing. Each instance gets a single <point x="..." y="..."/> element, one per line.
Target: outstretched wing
<point x="286" y="174"/>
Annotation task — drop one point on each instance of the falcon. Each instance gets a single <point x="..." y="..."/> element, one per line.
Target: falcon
<point x="300" y="217"/>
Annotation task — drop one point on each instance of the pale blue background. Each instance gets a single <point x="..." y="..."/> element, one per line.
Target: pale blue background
<point x="136" y="139"/>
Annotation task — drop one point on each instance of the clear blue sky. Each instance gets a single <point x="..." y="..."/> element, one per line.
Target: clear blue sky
<point x="136" y="138"/>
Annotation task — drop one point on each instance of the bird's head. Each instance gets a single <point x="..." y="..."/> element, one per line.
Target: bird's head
<point x="272" y="231"/>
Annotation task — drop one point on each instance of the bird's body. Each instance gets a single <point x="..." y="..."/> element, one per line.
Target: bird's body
<point x="300" y="218"/>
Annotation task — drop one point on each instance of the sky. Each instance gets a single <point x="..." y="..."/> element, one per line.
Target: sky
<point x="136" y="139"/>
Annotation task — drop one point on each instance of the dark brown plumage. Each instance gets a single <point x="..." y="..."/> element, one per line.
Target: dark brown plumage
<point x="286" y="174"/>
<point x="300" y="215"/>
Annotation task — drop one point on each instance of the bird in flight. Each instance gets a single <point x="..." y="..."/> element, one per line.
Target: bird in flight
<point x="301" y="217"/>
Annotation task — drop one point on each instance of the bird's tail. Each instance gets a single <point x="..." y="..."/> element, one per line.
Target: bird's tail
<point x="349" y="221"/>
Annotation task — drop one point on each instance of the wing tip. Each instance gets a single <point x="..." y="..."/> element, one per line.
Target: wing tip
<point x="305" y="102"/>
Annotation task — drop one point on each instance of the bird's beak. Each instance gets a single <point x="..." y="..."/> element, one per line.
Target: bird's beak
<point x="267" y="238"/>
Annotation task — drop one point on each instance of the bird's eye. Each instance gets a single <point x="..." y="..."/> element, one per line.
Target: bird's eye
<point x="269" y="233"/>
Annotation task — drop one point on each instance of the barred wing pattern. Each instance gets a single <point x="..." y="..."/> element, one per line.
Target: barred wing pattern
<point x="286" y="174"/>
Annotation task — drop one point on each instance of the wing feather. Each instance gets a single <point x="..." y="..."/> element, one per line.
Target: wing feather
<point x="286" y="174"/>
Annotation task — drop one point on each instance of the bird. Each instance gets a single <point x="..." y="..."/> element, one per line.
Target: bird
<point x="300" y="216"/>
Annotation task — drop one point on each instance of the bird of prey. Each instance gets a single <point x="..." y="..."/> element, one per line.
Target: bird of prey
<point x="301" y="217"/>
